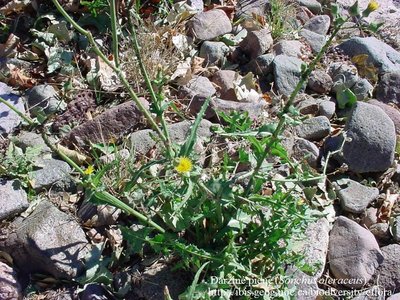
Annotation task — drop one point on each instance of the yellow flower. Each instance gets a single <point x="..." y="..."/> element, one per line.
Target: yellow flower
<point x="184" y="165"/>
<point x="372" y="6"/>
<point x="89" y="170"/>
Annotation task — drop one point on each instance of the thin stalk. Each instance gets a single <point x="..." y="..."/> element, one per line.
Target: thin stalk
<point x="19" y="113"/>
<point x="149" y="85"/>
<point x="289" y="103"/>
<point x="113" y="15"/>
<point x="105" y="196"/>
<point x="119" y="73"/>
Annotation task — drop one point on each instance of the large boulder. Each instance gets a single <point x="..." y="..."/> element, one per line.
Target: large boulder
<point x="209" y="24"/>
<point x="380" y="54"/>
<point x="371" y="139"/>
<point x="354" y="253"/>
<point x="287" y="73"/>
<point x="388" y="89"/>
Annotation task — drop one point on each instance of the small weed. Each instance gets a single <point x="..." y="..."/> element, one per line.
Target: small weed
<point x="280" y="18"/>
<point x="17" y="163"/>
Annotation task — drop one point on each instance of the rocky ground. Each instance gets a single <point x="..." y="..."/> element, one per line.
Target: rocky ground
<point x="47" y="230"/>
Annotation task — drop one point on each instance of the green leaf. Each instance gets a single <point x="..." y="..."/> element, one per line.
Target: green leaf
<point x="374" y="27"/>
<point x="346" y="98"/>
<point x="335" y="10"/>
<point x="190" y="141"/>
<point x="354" y="10"/>
<point x="192" y="288"/>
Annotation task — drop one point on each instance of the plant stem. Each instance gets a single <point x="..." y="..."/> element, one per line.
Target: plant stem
<point x="113" y="14"/>
<point x="105" y="196"/>
<point x="149" y="85"/>
<point x="19" y="113"/>
<point x="289" y="103"/>
<point x="118" y="71"/>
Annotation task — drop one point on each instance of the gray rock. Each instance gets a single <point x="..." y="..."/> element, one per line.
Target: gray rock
<point x="112" y="124"/>
<point x="394" y="297"/>
<point x="213" y="52"/>
<point x="395" y="229"/>
<point x="388" y="89"/>
<point x="370" y="217"/>
<point x="380" y="231"/>
<point x="262" y="65"/>
<point x="389" y="272"/>
<point x="43" y="98"/>
<point x="197" y="4"/>
<point x="343" y="76"/>
<point x="320" y="82"/>
<point x="315" y="40"/>
<point x="392" y="112"/>
<point x="355" y="197"/>
<point x="353" y="253"/>
<point x="48" y="240"/>
<point x="327" y="109"/>
<point x="318" y="24"/>
<point x="362" y="89"/>
<point x="307" y="150"/>
<point x="224" y="80"/>
<point x="9" y="120"/>
<point x="52" y="171"/>
<point x="198" y="86"/>
<point x="141" y="141"/>
<point x="246" y="8"/>
<point x="254" y="109"/>
<point x="209" y="25"/>
<point x="380" y="54"/>
<point x="313" y="5"/>
<point x="290" y="48"/>
<point x="307" y="105"/>
<point x="287" y="73"/>
<point x="373" y="139"/>
<point x="256" y="42"/>
<point x="13" y="199"/>
<point x="30" y="139"/>
<point x="10" y="289"/>
<point x="315" y="249"/>
<point x="314" y="129"/>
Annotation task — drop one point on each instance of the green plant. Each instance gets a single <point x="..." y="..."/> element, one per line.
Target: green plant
<point x="237" y="220"/>
<point x="17" y="163"/>
<point x="280" y="18"/>
<point x="96" y="6"/>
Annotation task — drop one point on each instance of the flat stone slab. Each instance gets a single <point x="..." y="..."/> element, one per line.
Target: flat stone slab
<point x="355" y="197"/>
<point x="48" y="241"/>
<point x="112" y="124"/>
<point x="51" y="171"/>
<point x="13" y="199"/>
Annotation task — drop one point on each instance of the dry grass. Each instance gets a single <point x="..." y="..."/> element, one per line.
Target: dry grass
<point x="157" y="51"/>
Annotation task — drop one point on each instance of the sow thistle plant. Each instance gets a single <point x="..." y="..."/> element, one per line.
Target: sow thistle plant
<point x="220" y="222"/>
